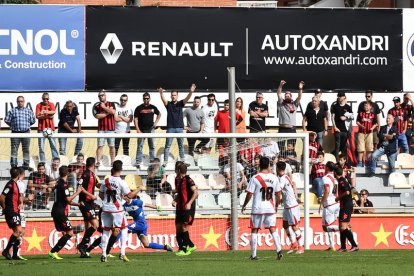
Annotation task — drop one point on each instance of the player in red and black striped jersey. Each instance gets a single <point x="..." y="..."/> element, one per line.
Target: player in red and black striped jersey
<point x="346" y="208"/>
<point x="60" y="211"/>
<point x="10" y="201"/>
<point x="314" y="146"/>
<point x="400" y="122"/>
<point x="105" y="113"/>
<point x="87" y="204"/>
<point x="185" y="204"/>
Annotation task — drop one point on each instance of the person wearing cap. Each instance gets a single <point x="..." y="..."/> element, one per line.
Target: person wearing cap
<point x="315" y="120"/>
<point x="400" y="122"/>
<point x="286" y="111"/>
<point x="341" y="114"/>
<point x="375" y="110"/>
<point x="408" y="106"/>
<point x="105" y="113"/>
<point x="258" y="112"/>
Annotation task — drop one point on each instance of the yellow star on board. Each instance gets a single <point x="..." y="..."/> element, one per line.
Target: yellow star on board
<point x="381" y="236"/>
<point x="34" y="241"/>
<point x="211" y="238"/>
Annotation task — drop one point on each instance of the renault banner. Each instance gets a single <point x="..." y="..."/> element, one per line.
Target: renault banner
<point x="146" y="48"/>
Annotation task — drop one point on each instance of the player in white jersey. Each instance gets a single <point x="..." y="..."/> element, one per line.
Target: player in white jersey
<point x="112" y="191"/>
<point x="262" y="189"/>
<point x="286" y="190"/>
<point x="330" y="206"/>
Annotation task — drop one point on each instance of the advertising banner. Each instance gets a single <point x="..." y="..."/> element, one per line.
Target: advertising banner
<point x="211" y="234"/>
<point x="42" y="48"/>
<point x="147" y="48"/>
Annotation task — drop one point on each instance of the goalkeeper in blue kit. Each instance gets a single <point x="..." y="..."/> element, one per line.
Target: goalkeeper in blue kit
<point x="134" y="207"/>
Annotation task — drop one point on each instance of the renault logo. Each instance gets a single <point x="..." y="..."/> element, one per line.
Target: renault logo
<point x="111" y="58"/>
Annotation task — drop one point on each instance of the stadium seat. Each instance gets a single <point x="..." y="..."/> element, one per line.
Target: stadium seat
<point x="164" y="200"/>
<point x="200" y="181"/>
<point x="224" y="200"/>
<point x="216" y="181"/>
<point x="145" y="198"/>
<point x="405" y="161"/>
<point x="206" y="200"/>
<point x="106" y="161"/>
<point x="398" y="181"/>
<point x="145" y="161"/>
<point x="206" y="162"/>
<point x="190" y="160"/>
<point x="242" y="198"/>
<point x="299" y="180"/>
<point x="411" y="179"/>
<point x="407" y="199"/>
<point x="130" y="180"/>
<point x="329" y="157"/>
<point x="35" y="159"/>
<point x="64" y="160"/>
<point x="171" y="180"/>
<point x="313" y="200"/>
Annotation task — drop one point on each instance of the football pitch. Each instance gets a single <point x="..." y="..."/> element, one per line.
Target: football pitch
<point x="364" y="262"/>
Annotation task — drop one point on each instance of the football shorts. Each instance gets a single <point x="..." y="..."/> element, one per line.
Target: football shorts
<point x="292" y="215"/>
<point x="329" y="214"/>
<point x="12" y="219"/>
<point x="88" y="212"/>
<point x="114" y="220"/>
<point x="267" y="220"/>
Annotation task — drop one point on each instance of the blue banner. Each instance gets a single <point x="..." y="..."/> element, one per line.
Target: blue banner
<point x="42" y="48"/>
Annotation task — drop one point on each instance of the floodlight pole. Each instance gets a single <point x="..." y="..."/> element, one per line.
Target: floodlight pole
<point x="233" y="161"/>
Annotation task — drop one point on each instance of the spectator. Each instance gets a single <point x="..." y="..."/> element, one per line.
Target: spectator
<point x="387" y="145"/>
<point x="210" y="111"/>
<point x="400" y="121"/>
<point x="341" y="113"/>
<point x="40" y="185"/>
<point x="53" y="170"/>
<point x="288" y="169"/>
<point x="286" y="111"/>
<point x="315" y="120"/>
<point x="374" y="109"/>
<point x="67" y="117"/>
<point x="20" y="119"/>
<point x="76" y="170"/>
<point x="258" y="112"/>
<point x="122" y="124"/>
<point x="175" y="120"/>
<point x="105" y="113"/>
<point x="290" y="157"/>
<point x="323" y="104"/>
<point x="144" y="123"/>
<point x="222" y="121"/>
<point x="349" y="171"/>
<point x="364" y="203"/>
<point x="241" y="128"/>
<point x="254" y="169"/>
<point x="408" y="105"/>
<point x="195" y="123"/>
<point x="314" y="147"/>
<point x="248" y="152"/>
<point x="317" y="173"/>
<point x="240" y="176"/>
<point x="224" y="150"/>
<point x="44" y="114"/>
<point x="270" y="149"/>
<point x="367" y="122"/>
<point x="157" y="179"/>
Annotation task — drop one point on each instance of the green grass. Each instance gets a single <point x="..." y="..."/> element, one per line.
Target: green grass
<point x="365" y="262"/>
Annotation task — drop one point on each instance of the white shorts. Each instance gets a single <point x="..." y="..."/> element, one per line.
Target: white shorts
<point x="267" y="220"/>
<point x="329" y="214"/>
<point x="114" y="220"/>
<point x="292" y="215"/>
<point x="22" y="219"/>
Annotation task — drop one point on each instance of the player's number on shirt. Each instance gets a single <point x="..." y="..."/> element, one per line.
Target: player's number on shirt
<point x="335" y="188"/>
<point x="111" y="194"/>
<point x="267" y="193"/>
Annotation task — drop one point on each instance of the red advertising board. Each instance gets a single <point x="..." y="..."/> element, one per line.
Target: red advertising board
<point x="213" y="233"/>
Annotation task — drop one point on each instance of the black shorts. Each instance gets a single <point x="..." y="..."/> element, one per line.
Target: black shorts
<point x="88" y="211"/>
<point x="185" y="216"/>
<point x="12" y="219"/>
<point x="62" y="223"/>
<point x="345" y="214"/>
<point x="100" y="229"/>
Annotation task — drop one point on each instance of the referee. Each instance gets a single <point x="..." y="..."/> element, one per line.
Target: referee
<point x="346" y="208"/>
<point x="185" y="209"/>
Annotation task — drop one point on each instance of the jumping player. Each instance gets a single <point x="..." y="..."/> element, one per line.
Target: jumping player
<point x="329" y="205"/>
<point x="346" y="208"/>
<point x="88" y="181"/>
<point x="286" y="190"/>
<point x="262" y="187"/>
<point x="135" y="209"/>
<point x="185" y="209"/>
<point x="10" y="201"/>
<point x="60" y="211"/>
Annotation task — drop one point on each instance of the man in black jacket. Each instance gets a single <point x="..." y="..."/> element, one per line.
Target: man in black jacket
<point x="387" y="145"/>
